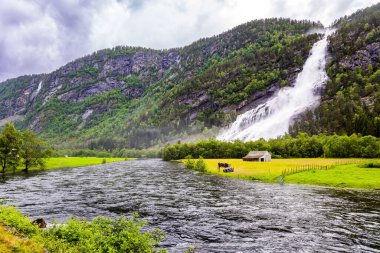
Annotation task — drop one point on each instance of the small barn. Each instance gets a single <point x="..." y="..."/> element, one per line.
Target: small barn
<point x="258" y="156"/>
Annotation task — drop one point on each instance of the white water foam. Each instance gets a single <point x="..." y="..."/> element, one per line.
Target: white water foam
<point x="39" y="87"/>
<point x="273" y="118"/>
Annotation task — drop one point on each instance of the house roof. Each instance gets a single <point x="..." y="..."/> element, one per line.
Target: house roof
<point x="256" y="154"/>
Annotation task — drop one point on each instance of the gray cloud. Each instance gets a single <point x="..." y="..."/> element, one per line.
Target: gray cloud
<point x="40" y="35"/>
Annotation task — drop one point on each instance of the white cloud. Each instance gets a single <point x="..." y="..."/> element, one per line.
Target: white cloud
<point x="40" y="35"/>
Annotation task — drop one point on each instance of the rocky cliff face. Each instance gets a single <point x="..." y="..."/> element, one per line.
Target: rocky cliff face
<point x="351" y="100"/>
<point x="147" y="96"/>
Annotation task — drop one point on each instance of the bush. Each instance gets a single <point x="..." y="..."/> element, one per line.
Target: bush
<point x="372" y="165"/>
<point x="189" y="163"/>
<point x="107" y="235"/>
<point x="198" y="164"/>
<point x="11" y="217"/>
<point x="80" y="235"/>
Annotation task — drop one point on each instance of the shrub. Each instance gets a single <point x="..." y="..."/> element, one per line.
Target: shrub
<point x="11" y="217"/>
<point x="107" y="235"/>
<point x="372" y="165"/>
<point x="198" y="164"/>
<point x="80" y="235"/>
<point x="189" y="163"/>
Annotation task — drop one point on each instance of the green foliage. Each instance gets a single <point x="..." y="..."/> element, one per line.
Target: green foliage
<point x="80" y="235"/>
<point x="189" y="163"/>
<point x="132" y="81"/>
<point x="371" y="165"/>
<point x="223" y="70"/>
<point x="33" y="150"/>
<point x="10" y="147"/>
<point x="351" y="99"/>
<point x="195" y="164"/>
<point x="284" y="146"/>
<point x="24" y="147"/>
<point x="106" y="235"/>
<point x="200" y="165"/>
<point x="9" y="216"/>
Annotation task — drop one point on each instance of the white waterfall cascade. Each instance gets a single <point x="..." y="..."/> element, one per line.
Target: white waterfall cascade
<point x="273" y="118"/>
<point x="39" y="87"/>
<point x="35" y="93"/>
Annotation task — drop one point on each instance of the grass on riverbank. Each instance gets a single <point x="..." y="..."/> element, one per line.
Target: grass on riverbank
<point x="19" y="234"/>
<point x="70" y="162"/>
<point x="342" y="176"/>
<point x="66" y="162"/>
<point x="11" y="242"/>
<point x="345" y="173"/>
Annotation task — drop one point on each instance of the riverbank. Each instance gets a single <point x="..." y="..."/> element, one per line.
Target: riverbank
<point x="71" y="162"/>
<point x="19" y="234"/>
<point x="342" y="173"/>
<point x="68" y="162"/>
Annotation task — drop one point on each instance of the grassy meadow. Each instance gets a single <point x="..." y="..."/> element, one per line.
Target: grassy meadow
<point x="66" y="162"/>
<point x="70" y="162"/>
<point x="345" y="173"/>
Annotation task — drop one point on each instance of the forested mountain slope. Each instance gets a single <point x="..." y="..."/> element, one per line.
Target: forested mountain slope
<point x="137" y="97"/>
<point x="351" y="100"/>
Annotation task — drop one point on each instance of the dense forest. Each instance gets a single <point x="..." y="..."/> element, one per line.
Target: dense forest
<point x="302" y="146"/>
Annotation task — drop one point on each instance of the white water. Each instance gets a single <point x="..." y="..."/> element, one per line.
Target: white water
<point x="35" y="93"/>
<point x="39" y="87"/>
<point x="273" y="118"/>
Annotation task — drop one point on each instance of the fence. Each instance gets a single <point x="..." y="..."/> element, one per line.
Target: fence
<point x="304" y="168"/>
<point x="310" y="167"/>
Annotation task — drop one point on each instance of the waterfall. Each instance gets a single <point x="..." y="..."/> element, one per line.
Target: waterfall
<point x="39" y="87"/>
<point x="35" y="93"/>
<point x="274" y="117"/>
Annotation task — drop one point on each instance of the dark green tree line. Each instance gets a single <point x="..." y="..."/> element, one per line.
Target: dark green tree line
<point x="302" y="146"/>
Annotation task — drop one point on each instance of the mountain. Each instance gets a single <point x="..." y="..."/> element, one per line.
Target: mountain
<point x="137" y="97"/>
<point x="351" y="99"/>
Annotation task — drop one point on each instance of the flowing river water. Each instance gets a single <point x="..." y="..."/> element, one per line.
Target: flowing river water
<point x="212" y="213"/>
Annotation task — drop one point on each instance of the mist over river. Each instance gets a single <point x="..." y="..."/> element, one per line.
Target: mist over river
<point x="212" y="213"/>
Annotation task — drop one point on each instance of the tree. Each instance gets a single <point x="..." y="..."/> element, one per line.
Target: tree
<point x="10" y="145"/>
<point x="33" y="150"/>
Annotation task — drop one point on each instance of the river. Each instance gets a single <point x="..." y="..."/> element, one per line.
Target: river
<point x="212" y="213"/>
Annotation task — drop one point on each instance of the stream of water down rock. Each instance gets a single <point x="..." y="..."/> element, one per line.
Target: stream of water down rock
<point x="213" y="213"/>
<point x="274" y="117"/>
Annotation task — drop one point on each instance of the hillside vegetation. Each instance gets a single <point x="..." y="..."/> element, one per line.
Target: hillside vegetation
<point x="141" y="96"/>
<point x="351" y="100"/>
<point x="135" y="97"/>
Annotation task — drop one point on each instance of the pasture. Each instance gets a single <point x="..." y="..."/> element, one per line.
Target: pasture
<point x="345" y="173"/>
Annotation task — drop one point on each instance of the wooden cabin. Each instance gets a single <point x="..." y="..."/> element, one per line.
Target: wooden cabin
<point x="258" y="156"/>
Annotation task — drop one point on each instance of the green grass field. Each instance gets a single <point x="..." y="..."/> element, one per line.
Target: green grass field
<point x="66" y="162"/>
<point x="69" y="162"/>
<point x="344" y="173"/>
<point x="343" y="176"/>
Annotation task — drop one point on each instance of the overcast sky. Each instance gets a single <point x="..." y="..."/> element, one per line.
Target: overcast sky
<point x="38" y="36"/>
